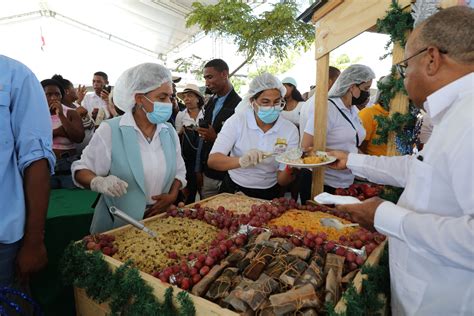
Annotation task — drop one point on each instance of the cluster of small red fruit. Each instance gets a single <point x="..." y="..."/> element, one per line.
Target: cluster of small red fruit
<point x="196" y="265"/>
<point x="102" y="242"/>
<point x="362" y="191"/>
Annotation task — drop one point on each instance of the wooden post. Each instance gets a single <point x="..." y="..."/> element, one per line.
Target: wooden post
<point x="398" y="104"/>
<point x="320" y="119"/>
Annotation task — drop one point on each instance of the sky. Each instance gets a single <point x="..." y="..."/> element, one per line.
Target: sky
<point x="77" y="54"/>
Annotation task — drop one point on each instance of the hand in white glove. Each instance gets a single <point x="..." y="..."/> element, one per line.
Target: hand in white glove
<point x="110" y="185"/>
<point x="251" y="158"/>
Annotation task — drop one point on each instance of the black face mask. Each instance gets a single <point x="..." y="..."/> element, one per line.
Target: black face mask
<point x="364" y="95"/>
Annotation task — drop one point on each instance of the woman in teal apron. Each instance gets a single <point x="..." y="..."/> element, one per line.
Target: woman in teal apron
<point x="134" y="160"/>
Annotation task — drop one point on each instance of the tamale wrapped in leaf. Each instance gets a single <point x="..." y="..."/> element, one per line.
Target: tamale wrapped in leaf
<point x="294" y="270"/>
<point x="295" y="300"/>
<point x="255" y="293"/>
<point x="201" y="287"/>
<point x="314" y="274"/>
<point x="222" y="286"/>
<point x="336" y="263"/>
<point x="301" y="252"/>
<point x="236" y="302"/>
<point x="258" y="263"/>
<point x="333" y="291"/>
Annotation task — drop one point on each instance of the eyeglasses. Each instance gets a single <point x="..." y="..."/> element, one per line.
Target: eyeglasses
<point x="278" y="105"/>
<point x="402" y="66"/>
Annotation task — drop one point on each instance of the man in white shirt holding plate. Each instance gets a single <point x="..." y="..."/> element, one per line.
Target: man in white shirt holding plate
<point x="431" y="229"/>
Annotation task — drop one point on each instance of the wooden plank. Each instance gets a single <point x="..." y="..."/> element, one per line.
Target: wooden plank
<point x="85" y="306"/>
<point x="320" y="119"/>
<point x="325" y="9"/>
<point x="372" y="260"/>
<point x="347" y="20"/>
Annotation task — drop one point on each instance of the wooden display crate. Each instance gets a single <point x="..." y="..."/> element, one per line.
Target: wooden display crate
<point x="85" y="306"/>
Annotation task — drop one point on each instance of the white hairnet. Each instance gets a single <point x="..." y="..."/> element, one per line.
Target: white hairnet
<point x="142" y="78"/>
<point x="354" y="74"/>
<point x="263" y="82"/>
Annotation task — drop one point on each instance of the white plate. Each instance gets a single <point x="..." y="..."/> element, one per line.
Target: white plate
<point x="307" y="165"/>
<point x="326" y="198"/>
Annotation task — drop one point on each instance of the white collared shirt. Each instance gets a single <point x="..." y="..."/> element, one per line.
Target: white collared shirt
<point x="340" y="136"/>
<point x="92" y="101"/>
<point x="294" y="115"/>
<point x="184" y="119"/>
<point x="97" y="157"/>
<point x="241" y="133"/>
<point x="431" y="229"/>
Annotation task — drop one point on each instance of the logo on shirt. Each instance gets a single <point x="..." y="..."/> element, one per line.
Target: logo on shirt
<point x="280" y="145"/>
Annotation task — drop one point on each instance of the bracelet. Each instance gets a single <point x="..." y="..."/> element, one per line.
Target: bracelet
<point x="289" y="170"/>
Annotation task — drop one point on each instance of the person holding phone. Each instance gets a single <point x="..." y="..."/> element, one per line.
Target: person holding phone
<point x="186" y="125"/>
<point x="216" y="111"/>
<point x="96" y="102"/>
<point x="134" y="160"/>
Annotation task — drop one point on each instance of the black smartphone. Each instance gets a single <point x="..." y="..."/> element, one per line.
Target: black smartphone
<point x="107" y="88"/>
<point x="203" y="123"/>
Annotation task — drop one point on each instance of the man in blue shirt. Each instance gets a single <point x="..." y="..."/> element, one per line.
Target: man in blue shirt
<point x="218" y="109"/>
<point x="26" y="161"/>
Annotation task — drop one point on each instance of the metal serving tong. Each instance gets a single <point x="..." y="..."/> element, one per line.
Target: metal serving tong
<point x="123" y="216"/>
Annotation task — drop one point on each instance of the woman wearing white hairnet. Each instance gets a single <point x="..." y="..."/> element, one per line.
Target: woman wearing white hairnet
<point x="248" y="134"/>
<point x="344" y="129"/>
<point x="134" y="160"/>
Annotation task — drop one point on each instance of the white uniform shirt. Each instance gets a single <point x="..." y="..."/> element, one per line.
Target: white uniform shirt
<point x="184" y="119"/>
<point x="294" y="115"/>
<point x="340" y="136"/>
<point x="97" y="157"/>
<point x="92" y="101"/>
<point x="307" y="110"/>
<point x="241" y="133"/>
<point x="431" y="229"/>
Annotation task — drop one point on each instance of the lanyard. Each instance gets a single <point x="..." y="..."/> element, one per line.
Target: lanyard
<point x="347" y="119"/>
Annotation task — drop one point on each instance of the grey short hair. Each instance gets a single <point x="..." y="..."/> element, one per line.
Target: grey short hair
<point x="451" y="29"/>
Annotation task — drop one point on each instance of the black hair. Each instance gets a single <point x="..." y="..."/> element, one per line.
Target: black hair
<point x="217" y="64"/>
<point x="102" y="74"/>
<point x="295" y="94"/>
<point x="52" y="82"/>
<point x="333" y="72"/>
<point x="64" y="82"/>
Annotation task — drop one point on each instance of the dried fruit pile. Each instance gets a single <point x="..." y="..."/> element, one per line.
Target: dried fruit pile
<point x="310" y="222"/>
<point x="176" y="237"/>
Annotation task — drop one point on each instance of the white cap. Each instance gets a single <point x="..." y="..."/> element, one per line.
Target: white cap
<point x="354" y="74"/>
<point x="142" y="78"/>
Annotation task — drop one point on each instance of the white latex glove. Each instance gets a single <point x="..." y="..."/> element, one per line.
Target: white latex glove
<point x="251" y="158"/>
<point x="110" y="185"/>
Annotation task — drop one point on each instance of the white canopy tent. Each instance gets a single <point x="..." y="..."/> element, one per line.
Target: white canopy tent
<point x="78" y="38"/>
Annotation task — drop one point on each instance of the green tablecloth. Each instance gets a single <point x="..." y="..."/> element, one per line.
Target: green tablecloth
<point x="69" y="218"/>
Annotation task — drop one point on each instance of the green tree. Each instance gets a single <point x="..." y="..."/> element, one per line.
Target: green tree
<point x="270" y="34"/>
<point x="193" y="64"/>
<point x="343" y="61"/>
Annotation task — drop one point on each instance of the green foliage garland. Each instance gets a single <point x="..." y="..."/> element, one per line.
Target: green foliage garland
<point x="396" y="23"/>
<point x="390" y="89"/>
<point x="367" y="302"/>
<point x="124" y="289"/>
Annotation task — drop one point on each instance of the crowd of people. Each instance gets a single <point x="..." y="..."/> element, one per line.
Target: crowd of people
<point x="144" y="146"/>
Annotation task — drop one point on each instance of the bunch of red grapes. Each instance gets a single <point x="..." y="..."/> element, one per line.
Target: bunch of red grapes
<point x="102" y="242"/>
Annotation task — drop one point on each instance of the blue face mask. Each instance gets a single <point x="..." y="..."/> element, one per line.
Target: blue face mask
<point x="161" y="112"/>
<point x="268" y="115"/>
